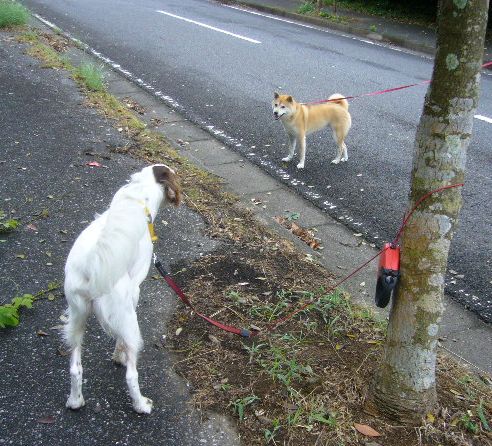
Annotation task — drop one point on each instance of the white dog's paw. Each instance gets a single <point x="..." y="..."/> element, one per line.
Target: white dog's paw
<point x="300" y="165"/>
<point x="287" y="159"/>
<point x="75" y="403"/>
<point x="144" y="405"/>
<point x="344" y="159"/>
<point x="335" y="161"/>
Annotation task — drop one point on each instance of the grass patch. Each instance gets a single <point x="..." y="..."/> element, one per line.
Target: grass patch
<point x="91" y="75"/>
<point x="306" y="8"/>
<point x="50" y="57"/>
<point x="410" y="12"/>
<point x="12" y="14"/>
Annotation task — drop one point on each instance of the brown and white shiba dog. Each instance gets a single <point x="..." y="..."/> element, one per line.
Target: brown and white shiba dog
<point x="300" y="120"/>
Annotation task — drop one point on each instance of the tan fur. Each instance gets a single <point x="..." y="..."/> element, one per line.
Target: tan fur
<point x="300" y="120"/>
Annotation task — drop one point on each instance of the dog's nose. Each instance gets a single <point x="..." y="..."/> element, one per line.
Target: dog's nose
<point x="275" y="113"/>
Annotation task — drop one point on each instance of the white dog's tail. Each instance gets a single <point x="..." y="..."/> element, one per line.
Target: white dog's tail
<point x="343" y="102"/>
<point x="116" y="246"/>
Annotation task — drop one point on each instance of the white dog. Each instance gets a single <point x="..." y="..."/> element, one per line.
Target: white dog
<point x="105" y="268"/>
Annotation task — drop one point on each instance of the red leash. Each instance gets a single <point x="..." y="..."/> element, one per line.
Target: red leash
<point x="375" y="93"/>
<point x="250" y="333"/>
<point x="167" y="277"/>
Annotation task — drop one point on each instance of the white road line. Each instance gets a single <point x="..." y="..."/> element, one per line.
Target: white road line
<point x="209" y="27"/>
<point x="483" y="118"/>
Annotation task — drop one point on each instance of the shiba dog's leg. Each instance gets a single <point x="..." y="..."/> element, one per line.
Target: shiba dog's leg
<point x="78" y="312"/>
<point x="345" y="154"/>
<point x="292" y="148"/>
<point x="302" y="151"/>
<point x="342" y="155"/>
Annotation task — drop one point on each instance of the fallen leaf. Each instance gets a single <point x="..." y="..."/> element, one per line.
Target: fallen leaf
<point x="93" y="164"/>
<point x="366" y="430"/>
<point x="42" y="333"/>
<point x="47" y="420"/>
<point x="430" y="418"/>
<point x="21" y="256"/>
<point x="178" y="331"/>
<point x="213" y="339"/>
<point x="62" y="352"/>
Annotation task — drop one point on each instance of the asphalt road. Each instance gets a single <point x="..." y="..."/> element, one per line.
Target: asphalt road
<point x="220" y="66"/>
<point x="43" y="171"/>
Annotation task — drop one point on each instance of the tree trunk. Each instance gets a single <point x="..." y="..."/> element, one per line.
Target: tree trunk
<point x="319" y="5"/>
<point x="404" y="387"/>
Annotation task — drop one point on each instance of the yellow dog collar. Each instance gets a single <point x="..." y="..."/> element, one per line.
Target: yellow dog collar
<point x="150" y="224"/>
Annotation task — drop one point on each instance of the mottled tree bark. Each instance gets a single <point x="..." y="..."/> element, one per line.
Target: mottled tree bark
<point x="404" y="387"/>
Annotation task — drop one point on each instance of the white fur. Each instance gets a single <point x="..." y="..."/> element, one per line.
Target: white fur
<point x="103" y="273"/>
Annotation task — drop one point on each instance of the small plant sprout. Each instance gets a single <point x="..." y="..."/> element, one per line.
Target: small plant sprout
<point x="240" y="405"/>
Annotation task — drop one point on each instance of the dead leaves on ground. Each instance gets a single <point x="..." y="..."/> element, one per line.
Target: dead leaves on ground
<point x="133" y="105"/>
<point x="306" y="235"/>
<point x="366" y="430"/>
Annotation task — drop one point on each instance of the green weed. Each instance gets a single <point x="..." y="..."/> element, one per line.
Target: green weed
<point x="468" y="423"/>
<point x="12" y="14"/>
<point x="240" y="405"/>
<point x="91" y="76"/>
<point x="483" y="418"/>
<point x="306" y="8"/>
<point x="9" y="313"/>
<point x="283" y="368"/>
<point x="271" y="311"/>
<point x="271" y="433"/>
<point x="253" y="351"/>
<point x="328" y="419"/>
<point x="7" y="224"/>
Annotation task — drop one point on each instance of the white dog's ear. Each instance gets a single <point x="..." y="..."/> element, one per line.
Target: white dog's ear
<point x="170" y="181"/>
<point x="276" y="95"/>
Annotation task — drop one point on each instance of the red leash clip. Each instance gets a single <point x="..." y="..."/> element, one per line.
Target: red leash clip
<point x="388" y="274"/>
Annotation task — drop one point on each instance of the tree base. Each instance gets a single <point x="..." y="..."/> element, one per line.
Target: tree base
<point x="405" y="407"/>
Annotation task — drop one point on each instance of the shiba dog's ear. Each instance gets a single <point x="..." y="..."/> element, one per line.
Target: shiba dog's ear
<point x="289" y="99"/>
<point x="170" y="181"/>
<point x="276" y="95"/>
